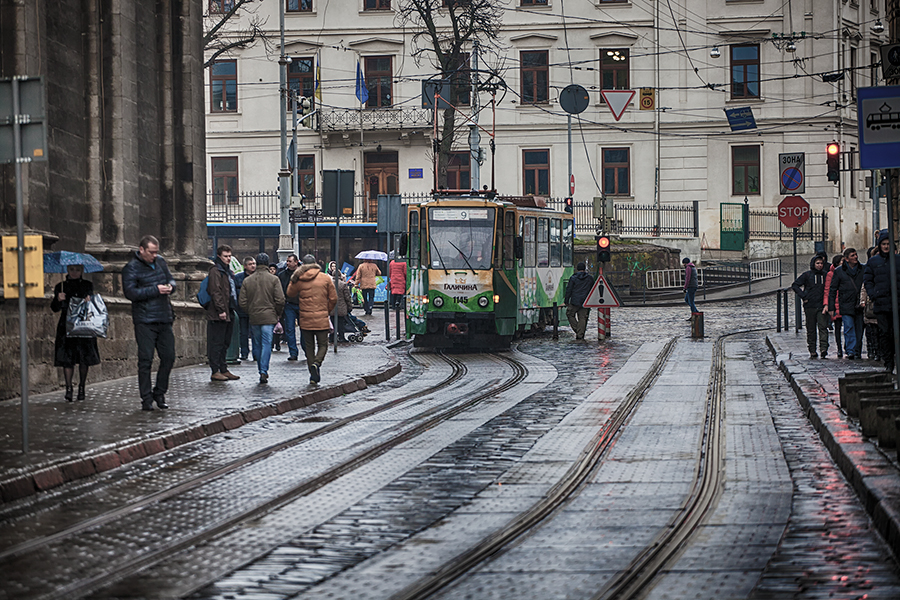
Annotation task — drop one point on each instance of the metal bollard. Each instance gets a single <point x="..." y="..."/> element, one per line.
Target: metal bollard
<point x="555" y="321"/>
<point x="697" y="325"/>
<point x="397" y="321"/>
<point x="787" y="320"/>
<point x="778" y="311"/>
<point x="387" y="319"/>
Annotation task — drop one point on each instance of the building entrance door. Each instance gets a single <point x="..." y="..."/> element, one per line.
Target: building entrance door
<point x="732" y="226"/>
<point x="382" y="173"/>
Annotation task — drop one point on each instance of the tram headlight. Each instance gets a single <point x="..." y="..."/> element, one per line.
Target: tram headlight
<point x="425" y="300"/>
<point x="496" y="298"/>
<point x="483" y="302"/>
<point x="438" y="302"/>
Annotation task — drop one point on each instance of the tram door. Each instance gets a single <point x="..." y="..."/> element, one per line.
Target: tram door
<point x="382" y="173"/>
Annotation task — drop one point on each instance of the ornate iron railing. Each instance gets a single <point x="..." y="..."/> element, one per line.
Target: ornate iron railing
<point x="375" y="118"/>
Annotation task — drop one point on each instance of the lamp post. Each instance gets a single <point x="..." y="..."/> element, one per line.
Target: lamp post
<point x="285" y="235"/>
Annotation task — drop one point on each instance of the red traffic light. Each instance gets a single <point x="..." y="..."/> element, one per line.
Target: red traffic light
<point x="833" y="148"/>
<point x="603" y="242"/>
<point x="833" y="161"/>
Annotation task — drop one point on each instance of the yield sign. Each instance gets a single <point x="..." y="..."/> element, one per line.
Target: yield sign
<point x="602" y="295"/>
<point x="617" y="100"/>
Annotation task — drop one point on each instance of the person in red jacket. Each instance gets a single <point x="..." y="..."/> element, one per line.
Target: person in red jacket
<point x="397" y="277"/>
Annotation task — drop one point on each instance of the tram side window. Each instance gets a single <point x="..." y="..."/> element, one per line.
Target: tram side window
<point x="498" y="244"/>
<point x="414" y="240"/>
<point x="543" y="242"/>
<point x="567" y="241"/>
<point x="509" y="240"/>
<point x="530" y="244"/>
<point x="555" y="243"/>
<point x="423" y="235"/>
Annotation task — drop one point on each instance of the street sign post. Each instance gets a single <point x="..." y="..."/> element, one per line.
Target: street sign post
<point x="792" y="173"/>
<point x="879" y="127"/>
<point x="793" y="211"/>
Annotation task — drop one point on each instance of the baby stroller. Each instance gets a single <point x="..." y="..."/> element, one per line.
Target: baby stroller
<point x="354" y="329"/>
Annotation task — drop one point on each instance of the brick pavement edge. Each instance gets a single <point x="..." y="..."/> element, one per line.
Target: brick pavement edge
<point x="872" y="475"/>
<point x="42" y="477"/>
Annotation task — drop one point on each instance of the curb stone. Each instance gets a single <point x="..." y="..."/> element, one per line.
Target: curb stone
<point x="872" y="475"/>
<point x="46" y="476"/>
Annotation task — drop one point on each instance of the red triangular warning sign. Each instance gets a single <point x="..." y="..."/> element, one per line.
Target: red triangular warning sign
<point x="602" y="295"/>
<point x="617" y="100"/>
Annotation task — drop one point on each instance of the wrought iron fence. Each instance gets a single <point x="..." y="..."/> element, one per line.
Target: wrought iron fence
<point x="764" y="225"/>
<point x="375" y="118"/>
<point x="645" y="221"/>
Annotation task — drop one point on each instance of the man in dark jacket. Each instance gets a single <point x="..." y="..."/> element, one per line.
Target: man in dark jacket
<point x="577" y="291"/>
<point x="219" y="324"/>
<point x="844" y="295"/>
<point x="148" y="284"/>
<point x="877" y="279"/>
<point x="691" y="282"/>
<point x="291" y="308"/>
<point x="810" y="286"/>
<point x="244" y="318"/>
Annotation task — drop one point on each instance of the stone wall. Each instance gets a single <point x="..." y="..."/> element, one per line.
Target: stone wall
<point x="118" y="352"/>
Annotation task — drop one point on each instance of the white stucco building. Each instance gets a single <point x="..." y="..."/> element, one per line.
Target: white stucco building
<point x="700" y="57"/>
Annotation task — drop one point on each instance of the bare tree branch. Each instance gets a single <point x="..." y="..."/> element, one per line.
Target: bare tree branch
<point x="445" y="34"/>
<point x="215" y="42"/>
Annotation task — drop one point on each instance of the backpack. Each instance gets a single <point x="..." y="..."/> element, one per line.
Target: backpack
<point x="203" y="296"/>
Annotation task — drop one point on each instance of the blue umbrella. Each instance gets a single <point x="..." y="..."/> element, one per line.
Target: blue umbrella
<point x="56" y="262"/>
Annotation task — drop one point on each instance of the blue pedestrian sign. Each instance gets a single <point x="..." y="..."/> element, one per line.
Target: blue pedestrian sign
<point x="792" y="173"/>
<point x="879" y="127"/>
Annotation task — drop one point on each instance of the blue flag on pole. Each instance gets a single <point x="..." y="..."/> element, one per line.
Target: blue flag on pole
<point x="362" y="92"/>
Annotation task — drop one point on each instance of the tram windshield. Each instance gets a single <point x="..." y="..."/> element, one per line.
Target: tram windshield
<point x="461" y="237"/>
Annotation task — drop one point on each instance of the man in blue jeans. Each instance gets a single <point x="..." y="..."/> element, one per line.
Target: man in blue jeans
<point x="690" y="284"/>
<point x="263" y="300"/>
<point x="291" y="308"/>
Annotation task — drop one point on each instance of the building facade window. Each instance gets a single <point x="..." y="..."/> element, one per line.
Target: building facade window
<point x="299" y="6"/>
<point x="534" y="2"/>
<point x="220" y="6"/>
<point x="745" y="71"/>
<point x="225" y="180"/>
<point x="535" y="74"/>
<point x="851" y="159"/>
<point x="852" y="73"/>
<point x="458" y="171"/>
<point x="536" y="172"/>
<point x="301" y="78"/>
<point x="377" y="5"/>
<point x="379" y="81"/>
<point x="874" y="64"/>
<point x="745" y="170"/>
<point x="306" y="175"/>
<point x="614" y="66"/>
<point x="223" y="86"/>
<point x="616" y="172"/>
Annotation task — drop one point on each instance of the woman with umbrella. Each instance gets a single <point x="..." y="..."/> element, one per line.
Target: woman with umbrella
<point x="73" y="351"/>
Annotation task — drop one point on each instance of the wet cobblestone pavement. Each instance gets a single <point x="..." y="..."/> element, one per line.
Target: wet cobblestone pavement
<point x="811" y="539"/>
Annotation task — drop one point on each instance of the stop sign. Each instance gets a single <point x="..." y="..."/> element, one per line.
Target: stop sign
<point x="793" y="211"/>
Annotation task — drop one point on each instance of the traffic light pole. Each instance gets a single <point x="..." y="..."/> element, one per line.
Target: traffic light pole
<point x="20" y="242"/>
<point x="892" y="265"/>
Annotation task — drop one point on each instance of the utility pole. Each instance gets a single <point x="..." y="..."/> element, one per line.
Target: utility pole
<point x="474" y="134"/>
<point x="285" y="239"/>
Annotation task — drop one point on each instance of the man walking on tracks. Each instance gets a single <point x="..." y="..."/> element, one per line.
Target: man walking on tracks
<point x="577" y="292"/>
<point x="691" y="282"/>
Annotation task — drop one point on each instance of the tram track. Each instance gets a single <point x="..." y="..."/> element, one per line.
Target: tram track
<point x="664" y="550"/>
<point x="458" y="370"/>
<point x="559" y="494"/>
<point x="396" y="434"/>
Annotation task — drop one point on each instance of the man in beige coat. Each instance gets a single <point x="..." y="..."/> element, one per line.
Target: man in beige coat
<point x="262" y="299"/>
<point x="365" y="278"/>
<point x="316" y="297"/>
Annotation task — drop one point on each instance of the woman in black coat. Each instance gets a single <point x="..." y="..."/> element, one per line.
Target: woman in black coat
<point x="73" y="351"/>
